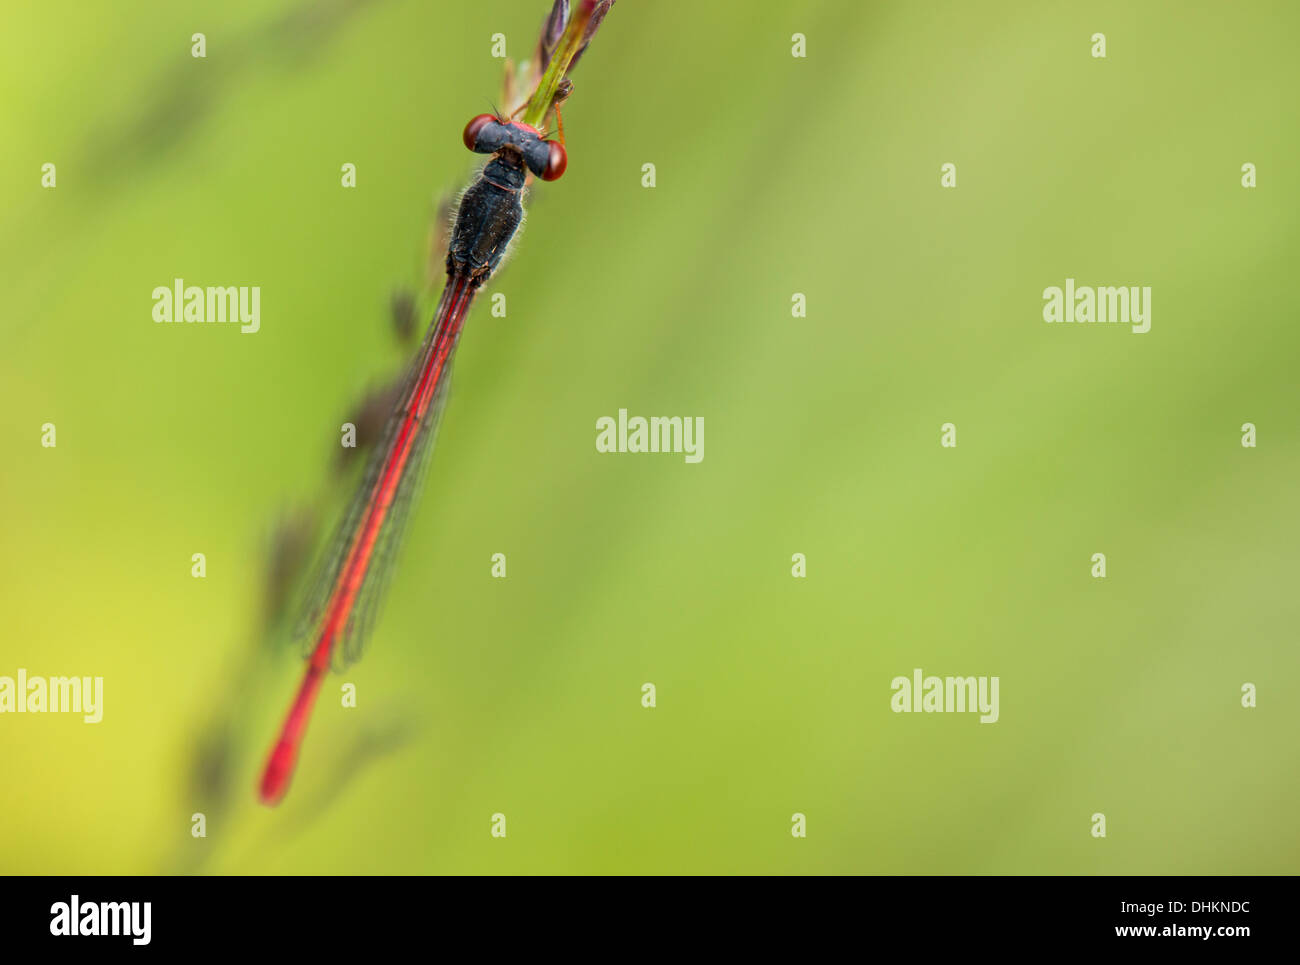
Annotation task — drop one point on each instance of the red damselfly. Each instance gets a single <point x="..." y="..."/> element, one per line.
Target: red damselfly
<point x="353" y="574"/>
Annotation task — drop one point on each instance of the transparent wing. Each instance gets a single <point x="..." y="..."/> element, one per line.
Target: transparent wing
<point x="329" y="564"/>
<point x="356" y="631"/>
<point x="351" y="637"/>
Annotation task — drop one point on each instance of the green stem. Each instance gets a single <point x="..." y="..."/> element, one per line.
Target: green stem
<point x="539" y="105"/>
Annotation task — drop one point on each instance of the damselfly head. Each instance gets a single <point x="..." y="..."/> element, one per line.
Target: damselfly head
<point x="489" y="134"/>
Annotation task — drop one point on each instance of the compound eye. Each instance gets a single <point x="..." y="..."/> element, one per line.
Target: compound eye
<point x="556" y="162"/>
<point x="475" y="127"/>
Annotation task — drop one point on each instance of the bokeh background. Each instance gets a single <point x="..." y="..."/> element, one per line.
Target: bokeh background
<point x="775" y="175"/>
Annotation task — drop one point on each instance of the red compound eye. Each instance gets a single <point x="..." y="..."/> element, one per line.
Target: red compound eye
<point x="556" y="163"/>
<point x="473" y="128"/>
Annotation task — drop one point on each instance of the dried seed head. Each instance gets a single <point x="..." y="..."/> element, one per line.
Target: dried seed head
<point x="602" y="8"/>
<point x="401" y="311"/>
<point x="552" y="31"/>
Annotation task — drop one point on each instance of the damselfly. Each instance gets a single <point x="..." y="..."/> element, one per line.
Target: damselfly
<point x="350" y="583"/>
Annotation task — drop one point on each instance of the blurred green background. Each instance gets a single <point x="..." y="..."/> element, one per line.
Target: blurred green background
<point x="775" y="175"/>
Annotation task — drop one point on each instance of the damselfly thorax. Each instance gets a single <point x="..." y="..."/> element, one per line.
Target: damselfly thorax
<point x="491" y="208"/>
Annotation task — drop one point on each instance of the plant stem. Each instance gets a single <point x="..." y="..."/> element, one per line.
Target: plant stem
<point x="539" y="105"/>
